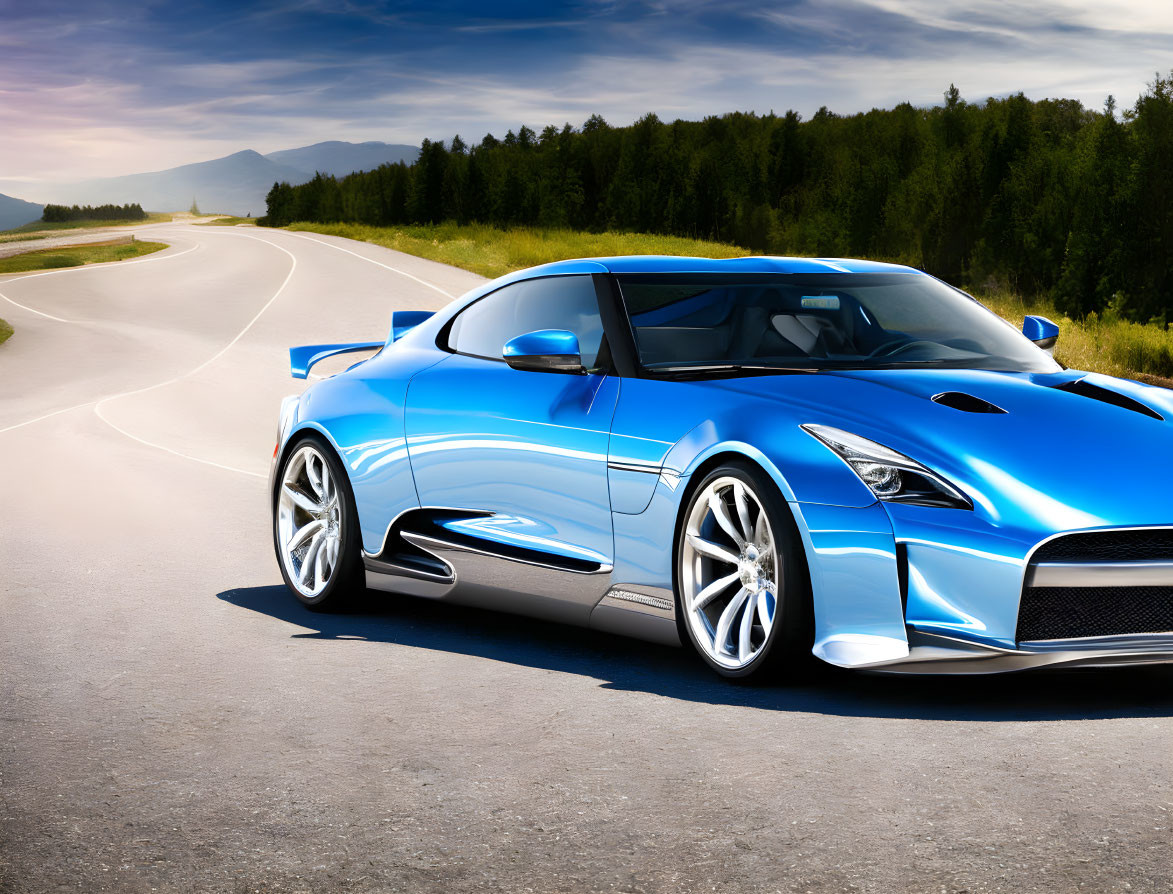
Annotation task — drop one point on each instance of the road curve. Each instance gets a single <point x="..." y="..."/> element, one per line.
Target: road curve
<point x="171" y="720"/>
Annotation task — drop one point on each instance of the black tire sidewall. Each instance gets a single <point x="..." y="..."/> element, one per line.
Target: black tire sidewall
<point x="789" y="642"/>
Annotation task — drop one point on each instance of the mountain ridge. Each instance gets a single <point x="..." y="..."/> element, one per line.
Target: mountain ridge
<point x="16" y="212"/>
<point x="233" y="184"/>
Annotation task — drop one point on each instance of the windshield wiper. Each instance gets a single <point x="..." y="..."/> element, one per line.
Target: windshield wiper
<point x="698" y="368"/>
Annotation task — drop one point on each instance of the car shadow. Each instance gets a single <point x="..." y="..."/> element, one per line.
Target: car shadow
<point x="632" y="665"/>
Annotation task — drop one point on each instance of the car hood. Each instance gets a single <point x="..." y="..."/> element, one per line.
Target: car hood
<point x="1060" y="457"/>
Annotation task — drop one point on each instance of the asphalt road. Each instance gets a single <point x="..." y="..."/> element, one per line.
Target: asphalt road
<point x="172" y="720"/>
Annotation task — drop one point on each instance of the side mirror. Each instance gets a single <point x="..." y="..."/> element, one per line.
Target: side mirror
<point x="546" y="350"/>
<point x="1041" y="331"/>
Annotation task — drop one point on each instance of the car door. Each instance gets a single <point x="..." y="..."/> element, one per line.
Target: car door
<point x="515" y="462"/>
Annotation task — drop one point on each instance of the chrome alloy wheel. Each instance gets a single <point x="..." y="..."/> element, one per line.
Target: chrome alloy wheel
<point x="309" y="521"/>
<point x="729" y="573"/>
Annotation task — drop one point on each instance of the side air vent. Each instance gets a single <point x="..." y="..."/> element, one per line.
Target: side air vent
<point x="967" y="403"/>
<point x="1105" y="395"/>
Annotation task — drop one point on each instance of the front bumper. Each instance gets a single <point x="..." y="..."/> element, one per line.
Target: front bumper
<point x="916" y="590"/>
<point x="931" y="653"/>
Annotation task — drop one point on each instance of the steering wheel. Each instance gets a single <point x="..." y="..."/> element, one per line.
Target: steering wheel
<point x="897" y="346"/>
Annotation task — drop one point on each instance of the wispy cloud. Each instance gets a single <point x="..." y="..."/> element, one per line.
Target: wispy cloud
<point x="101" y="87"/>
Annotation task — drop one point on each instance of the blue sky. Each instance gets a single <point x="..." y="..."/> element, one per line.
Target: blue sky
<point x="103" y="88"/>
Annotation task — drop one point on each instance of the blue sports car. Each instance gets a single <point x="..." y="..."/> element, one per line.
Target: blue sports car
<point x="764" y="458"/>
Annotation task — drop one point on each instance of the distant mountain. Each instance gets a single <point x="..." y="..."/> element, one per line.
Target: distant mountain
<point x="17" y="212"/>
<point x="341" y="159"/>
<point x="235" y="184"/>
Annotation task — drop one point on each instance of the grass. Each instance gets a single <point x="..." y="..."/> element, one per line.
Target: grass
<point x="491" y="251"/>
<point x="228" y="222"/>
<point x="1104" y="344"/>
<point x="26" y="237"/>
<point x="76" y="256"/>
<point x="5" y="331"/>
<point x="39" y="226"/>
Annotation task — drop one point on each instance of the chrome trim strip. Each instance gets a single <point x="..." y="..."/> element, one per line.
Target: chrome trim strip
<point x="382" y="566"/>
<point x="650" y="601"/>
<point x="919" y="637"/>
<point x="430" y="544"/>
<point x="1027" y="562"/>
<point x="1141" y="573"/>
<point x="409" y="586"/>
<point x="1130" y="642"/>
<point x="633" y="467"/>
<point x="932" y="653"/>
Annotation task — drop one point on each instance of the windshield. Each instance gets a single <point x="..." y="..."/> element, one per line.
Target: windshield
<point x="818" y="321"/>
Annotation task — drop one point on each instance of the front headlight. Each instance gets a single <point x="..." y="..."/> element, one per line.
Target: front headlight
<point x="891" y="476"/>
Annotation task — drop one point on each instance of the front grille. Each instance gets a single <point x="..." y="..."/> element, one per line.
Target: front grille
<point x="1108" y="546"/>
<point x="1074" y="612"/>
<point x="1071" y="612"/>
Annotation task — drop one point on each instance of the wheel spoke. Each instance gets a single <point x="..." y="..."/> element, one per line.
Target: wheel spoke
<point x="315" y="477"/>
<point x="712" y="550"/>
<point x="742" y="504"/>
<point x="319" y="569"/>
<point x="303" y="533"/>
<point x="725" y="624"/>
<point x="721" y="514"/>
<point x="761" y="532"/>
<point x="763" y="608"/>
<point x="301" y="500"/>
<point x="326" y="495"/>
<point x="744" y="642"/>
<point x="310" y="558"/>
<point x="712" y="591"/>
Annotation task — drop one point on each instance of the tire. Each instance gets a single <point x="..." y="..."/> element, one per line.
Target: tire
<point x="744" y="618"/>
<point x="313" y="509"/>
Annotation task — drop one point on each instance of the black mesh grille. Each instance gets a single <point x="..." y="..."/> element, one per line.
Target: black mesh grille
<point x="1118" y="546"/>
<point x="1070" y="612"/>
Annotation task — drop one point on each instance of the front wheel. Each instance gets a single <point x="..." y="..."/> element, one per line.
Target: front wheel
<point x="315" y="527"/>
<point x="742" y="582"/>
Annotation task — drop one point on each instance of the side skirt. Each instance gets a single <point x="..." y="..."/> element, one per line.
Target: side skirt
<point x="477" y="573"/>
<point x="435" y="563"/>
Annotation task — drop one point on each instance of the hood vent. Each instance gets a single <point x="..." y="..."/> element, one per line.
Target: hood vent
<point x="1105" y="395"/>
<point x="967" y="403"/>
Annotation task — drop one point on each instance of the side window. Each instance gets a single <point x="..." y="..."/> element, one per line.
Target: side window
<point x="553" y="302"/>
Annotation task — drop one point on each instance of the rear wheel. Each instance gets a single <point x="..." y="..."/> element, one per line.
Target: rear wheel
<point x="315" y="527"/>
<point x="741" y="575"/>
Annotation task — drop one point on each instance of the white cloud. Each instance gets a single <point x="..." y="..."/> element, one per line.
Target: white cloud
<point x="72" y="116"/>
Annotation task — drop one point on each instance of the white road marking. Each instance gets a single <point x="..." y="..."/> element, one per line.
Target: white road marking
<point x="202" y="366"/>
<point x="46" y="416"/>
<point x="119" y="265"/>
<point x="97" y="405"/>
<point x="371" y="261"/>
<point x="197" y="459"/>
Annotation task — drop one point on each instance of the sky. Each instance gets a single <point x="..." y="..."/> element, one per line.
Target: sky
<point x="109" y="87"/>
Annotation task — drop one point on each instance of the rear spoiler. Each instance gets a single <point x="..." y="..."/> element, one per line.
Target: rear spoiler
<point x="303" y="358"/>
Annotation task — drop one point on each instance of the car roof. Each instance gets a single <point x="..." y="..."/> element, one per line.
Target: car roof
<point x="675" y="264"/>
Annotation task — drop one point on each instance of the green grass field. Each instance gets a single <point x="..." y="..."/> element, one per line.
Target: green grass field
<point x="492" y="252"/>
<point x="5" y="331"/>
<point x="23" y="237"/>
<point x="39" y="226"/>
<point x="76" y="256"/>
<point x="1098" y="344"/>
<point x="228" y="222"/>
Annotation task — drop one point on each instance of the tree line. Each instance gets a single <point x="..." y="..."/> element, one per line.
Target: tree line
<point x="1044" y="197"/>
<point x="64" y="213"/>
